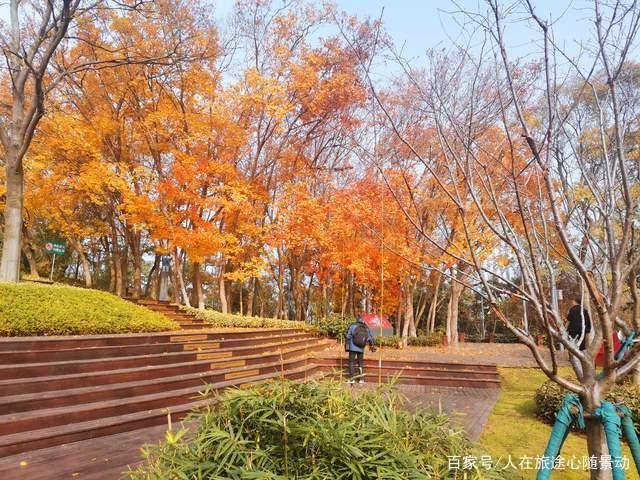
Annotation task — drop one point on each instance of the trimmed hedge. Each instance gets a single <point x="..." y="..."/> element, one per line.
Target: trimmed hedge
<point x="549" y="398"/>
<point x="334" y="326"/>
<point x="229" y="320"/>
<point x="312" y="431"/>
<point x="38" y="309"/>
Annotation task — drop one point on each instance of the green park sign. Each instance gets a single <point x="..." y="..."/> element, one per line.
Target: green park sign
<point x="57" y="248"/>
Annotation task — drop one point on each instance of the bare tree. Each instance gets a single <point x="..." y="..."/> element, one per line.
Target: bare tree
<point x="535" y="160"/>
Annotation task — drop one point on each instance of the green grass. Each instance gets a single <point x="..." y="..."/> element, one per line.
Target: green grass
<point x="38" y="309"/>
<point x="513" y="429"/>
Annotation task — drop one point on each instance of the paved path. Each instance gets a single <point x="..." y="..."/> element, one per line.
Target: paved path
<point x="500" y="354"/>
<point x="469" y="408"/>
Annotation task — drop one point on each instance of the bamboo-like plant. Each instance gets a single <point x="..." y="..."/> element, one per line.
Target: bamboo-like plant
<point x="313" y="430"/>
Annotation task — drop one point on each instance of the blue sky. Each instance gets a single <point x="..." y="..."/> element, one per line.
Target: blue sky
<point x="423" y="24"/>
<point x="418" y="25"/>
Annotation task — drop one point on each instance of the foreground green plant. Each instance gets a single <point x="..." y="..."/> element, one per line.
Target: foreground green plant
<point x="229" y="320"/>
<point x="314" y="430"/>
<point x="39" y="309"/>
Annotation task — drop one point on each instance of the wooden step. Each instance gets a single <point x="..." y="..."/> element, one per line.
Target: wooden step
<point x="121" y="418"/>
<point x="414" y="369"/>
<point x="108" y="377"/>
<point x="82" y="395"/>
<point x="269" y="344"/>
<point x="373" y="375"/>
<point x="56" y="342"/>
<point x="17" y="357"/>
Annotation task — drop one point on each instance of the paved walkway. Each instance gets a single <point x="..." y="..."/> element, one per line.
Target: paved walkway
<point x="500" y="354"/>
<point x="469" y="408"/>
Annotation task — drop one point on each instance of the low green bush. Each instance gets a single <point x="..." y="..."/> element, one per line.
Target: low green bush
<point x="229" y="320"/>
<point x="314" y="430"/>
<point x="549" y="396"/>
<point x="427" y="340"/>
<point x="334" y="325"/>
<point x="40" y="309"/>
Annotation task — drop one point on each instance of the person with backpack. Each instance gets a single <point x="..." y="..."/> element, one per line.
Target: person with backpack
<point x="358" y="336"/>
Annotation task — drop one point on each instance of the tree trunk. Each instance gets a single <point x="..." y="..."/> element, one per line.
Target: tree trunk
<point x="13" y="209"/>
<point x="86" y="269"/>
<point x="221" y="288"/>
<point x="153" y="279"/>
<point x="452" y="312"/>
<point x="407" y="313"/>
<point x="597" y="446"/>
<point x="431" y="316"/>
<point x="31" y="260"/>
<point x="280" y="304"/>
<point x="251" y="293"/>
<point x="198" y="296"/>
<point x="178" y="268"/>
<point x="136" y="251"/>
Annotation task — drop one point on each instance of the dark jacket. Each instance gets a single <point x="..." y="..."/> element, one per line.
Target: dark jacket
<point x="349" y="346"/>
<point x="574" y="328"/>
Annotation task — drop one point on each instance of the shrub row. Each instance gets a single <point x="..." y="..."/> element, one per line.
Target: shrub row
<point x="549" y="397"/>
<point x="313" y="430"/>
<point x="229" y="320"/>
<point x="40" y="309"/>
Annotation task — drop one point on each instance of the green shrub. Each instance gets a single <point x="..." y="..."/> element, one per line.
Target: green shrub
<point x="288" y="430"/>
<point x="229" y="320"/>
<point x="549" y="396"/>
<point x="334" y="325"/>
<point x="388" y="342"/>
<point x="427" y="340"/>
<point x="39" y="309"/>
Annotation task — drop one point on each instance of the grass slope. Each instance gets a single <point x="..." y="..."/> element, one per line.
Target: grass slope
<point x="513" y="429"/>
<point x="35" y="309"/>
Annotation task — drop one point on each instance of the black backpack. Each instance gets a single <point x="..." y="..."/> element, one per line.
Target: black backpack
<point x="360" y="336"/>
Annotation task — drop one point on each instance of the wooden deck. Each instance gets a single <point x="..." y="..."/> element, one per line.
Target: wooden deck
<point x="103" y="458"/>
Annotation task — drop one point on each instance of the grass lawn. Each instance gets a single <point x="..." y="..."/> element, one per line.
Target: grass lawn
<point x="513" y="429"/>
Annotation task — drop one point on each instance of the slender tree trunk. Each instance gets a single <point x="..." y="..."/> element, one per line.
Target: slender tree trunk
<point x="240" y="298"/>
<point x="178" y="268"/>
<point x="452" y="312"/>
<point x="198" y="295"/>
<point x="280" y="304"/>
<point x="221" y="287"/>
<point x="136" y="251"/>
<point x="153" y="283"/>
<point x="251" y="293"/>
<point x="431" y="317"/>
<point x="124" y="269"/>
<point x="13" y="209"/>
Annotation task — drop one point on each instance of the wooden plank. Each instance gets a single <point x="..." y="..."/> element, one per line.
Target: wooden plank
<point x="188" y="338"/>
<point x="201" y="346"/>
<point x="232" y="363"/>
<point x="211" y="356"/>
<point x="241" y="374"/>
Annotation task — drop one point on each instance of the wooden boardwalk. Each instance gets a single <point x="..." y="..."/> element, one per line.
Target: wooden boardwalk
<point x="103" y="458"/>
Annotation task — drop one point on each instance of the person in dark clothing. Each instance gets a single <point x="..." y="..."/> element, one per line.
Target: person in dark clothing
<point x="579" y="323"/>
<point x="357" y="337"/>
